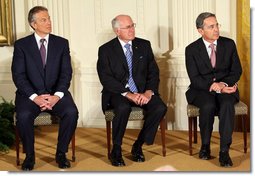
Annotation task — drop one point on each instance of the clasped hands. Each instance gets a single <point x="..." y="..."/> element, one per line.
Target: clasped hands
<point x="140" y="98"/>
<point x="220" y="87"/>
<point x="46" y="101"/>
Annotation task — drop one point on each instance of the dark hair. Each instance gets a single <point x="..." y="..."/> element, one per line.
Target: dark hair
<point x="33" y="11"/>
<point x="201" y="17"/>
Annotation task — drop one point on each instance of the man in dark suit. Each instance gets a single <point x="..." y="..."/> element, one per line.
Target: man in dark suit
<point x="213" y="85"/>
<point x="130" y="77"/>
<point x="42" y="83"/>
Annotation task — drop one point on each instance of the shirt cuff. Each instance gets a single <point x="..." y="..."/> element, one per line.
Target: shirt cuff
<point x="224" y="84"/>
<point x="124" y="94"/>
<point x="59" y="94"/>
<point x="32" y="97"/>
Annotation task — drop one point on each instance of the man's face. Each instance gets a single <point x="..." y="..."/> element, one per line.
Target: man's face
<point x="210" y="31"/>
<point x="126" y="30"/>
<point x="42" y="23"/>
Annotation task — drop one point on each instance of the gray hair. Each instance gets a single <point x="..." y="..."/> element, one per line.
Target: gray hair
<point x="33" y="11"/>
<point x="115" y="23"/>
<point x="201" y="17"/>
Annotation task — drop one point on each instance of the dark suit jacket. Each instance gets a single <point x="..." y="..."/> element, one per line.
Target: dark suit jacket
<point x="228" y="68"/>
<point x="28" y="73"/>
<point x="113" y="69"/>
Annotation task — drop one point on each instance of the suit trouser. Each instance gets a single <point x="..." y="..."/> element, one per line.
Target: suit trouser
<point x="216" y="104"/>
<point x="27" y="111"/>
<point x="154" y="112"/>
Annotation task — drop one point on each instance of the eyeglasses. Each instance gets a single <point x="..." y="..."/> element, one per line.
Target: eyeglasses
<point x="211" y="27"/>
<point x="129" y="26"/>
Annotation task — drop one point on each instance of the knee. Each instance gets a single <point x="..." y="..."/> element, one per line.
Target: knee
<point x="72" y="113"/>
<point x="208" y="108"/>
<point x="25" y="117"/>
<point x="227" y="105"/>
<point x="161" y="109"/>
<point x="123" y="109"/>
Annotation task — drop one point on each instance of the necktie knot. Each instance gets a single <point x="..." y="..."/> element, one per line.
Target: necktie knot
<point x="212" y="46"/>
<point x="42" y="41"/>
<point x="127" y="46"/>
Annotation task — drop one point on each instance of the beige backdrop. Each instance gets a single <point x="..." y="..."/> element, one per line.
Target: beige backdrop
<point x="168" y="24"/>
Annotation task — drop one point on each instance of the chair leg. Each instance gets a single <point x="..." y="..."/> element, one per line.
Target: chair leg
<point x="244" y="117"/>
<point x="195" y="129"/>
<point x="163" y="135"/>
<point x="190" y="135"/>
<point x="17" y="140"/>
<point x="73" y="148"/>
<point x="108" y="134"/>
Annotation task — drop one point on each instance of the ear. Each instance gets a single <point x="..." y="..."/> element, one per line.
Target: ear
<point x="117" y="31"/>
<point x="200" y="30"/>
<point x="33" y="25"/>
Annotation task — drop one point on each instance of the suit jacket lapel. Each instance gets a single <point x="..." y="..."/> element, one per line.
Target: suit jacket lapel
<point x="136" y="52"/>
<point x="50" y="54"/>
<point x="219" y="51"/>
<point x="36" y="55"/>
<point x="203" y="53"/>
<point x="119" y="51"/>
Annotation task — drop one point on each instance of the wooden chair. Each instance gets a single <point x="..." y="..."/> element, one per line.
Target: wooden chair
<point x="136" y="114"/>
<point x="241" y="110"/>
<point x="42" y="120"/>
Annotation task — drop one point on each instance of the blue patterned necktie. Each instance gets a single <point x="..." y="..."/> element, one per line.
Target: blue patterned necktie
<point x="43" y="51"/>
<point x="131" y="83"/>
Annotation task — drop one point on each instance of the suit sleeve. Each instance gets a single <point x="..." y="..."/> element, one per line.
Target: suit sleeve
<point x="107" y="79"/>
<point x="235" y="69"/>
<point x="19" y="74"/>
<point x="65" y="74"/>
<point x="198" y="81"/>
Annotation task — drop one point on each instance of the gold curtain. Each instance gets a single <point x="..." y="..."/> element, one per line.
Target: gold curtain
<point x="243" y="47"/>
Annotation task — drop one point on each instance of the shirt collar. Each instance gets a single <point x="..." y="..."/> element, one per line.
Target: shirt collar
<point x="123" y="43"/>
<point x="38" y="38"/>
<point x="207" y="44"/>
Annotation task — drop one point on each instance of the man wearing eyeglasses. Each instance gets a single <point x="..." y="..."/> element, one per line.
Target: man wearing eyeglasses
<point x="130" y="77"/>
<point x="214" y="69"/>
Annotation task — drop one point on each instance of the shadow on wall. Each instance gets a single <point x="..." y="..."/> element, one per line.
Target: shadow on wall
<point x="167" y="88"/>
<point x="167" y="84"/>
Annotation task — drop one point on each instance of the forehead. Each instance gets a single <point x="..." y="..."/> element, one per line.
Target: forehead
<point x="42" y="14"/>
<point x="210" y="20"/>
<point x="125" y="20"/>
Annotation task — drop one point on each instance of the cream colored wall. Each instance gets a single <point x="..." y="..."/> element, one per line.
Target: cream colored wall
<point x="168" y="24"/>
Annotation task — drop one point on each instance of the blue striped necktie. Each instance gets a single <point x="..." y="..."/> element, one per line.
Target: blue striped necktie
<point x="131" y="83"/>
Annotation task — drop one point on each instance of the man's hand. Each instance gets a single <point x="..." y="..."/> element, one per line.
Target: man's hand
<point x="53" y="99"/>
<point x="134" y="97"/>
<point x="42" y="101"/>
<point x="140" y="99"/>
<point x="229" y="90"/>
<point x="46" y="101"/>
<point x="217" y="86"/>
